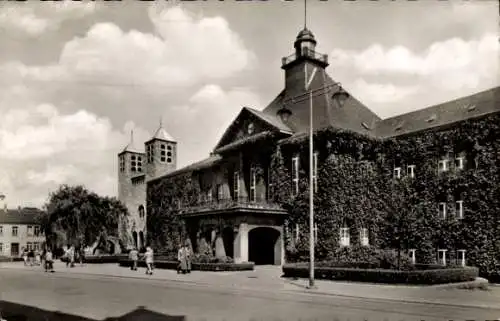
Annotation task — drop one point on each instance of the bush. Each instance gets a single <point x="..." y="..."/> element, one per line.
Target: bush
<point x="204" y="258"/>
<point x="428" y="276"/>
<point x="211" y="266"/>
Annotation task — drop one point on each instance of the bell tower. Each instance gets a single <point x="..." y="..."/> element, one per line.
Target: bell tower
<point x="161" y="154"/>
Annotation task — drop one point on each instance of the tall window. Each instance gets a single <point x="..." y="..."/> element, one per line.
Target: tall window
<point x="443" y="165"/>
<point x="133" y="164"/>
<point x="122" y="164"/>
<point x="141" y="211"/>
<point x="297" y="232"/>
<point x="236" y="185"/>
<point x="37" y="230"/>
<point x="270" y="184"/>
<point x="413" y="256"/>
<point x="410" y="171"/>
<point x="30" y="230"/>
<point x="461" y="257"/>
<point x="1" y="248"/>
<point x="1" y="230"/>
<point x="163" y="154"/>
<point x="459" y="162"/>
<point x="315" y="172"/>
<point x="345" y="238"/>
<point x="14" y="231"/>
<point x="442" y="257"/>
<point x="295" y="175"/>
<point x="150" y="153"/>
<point x="253" y="183"/>
<point x="209" y="195"/>
<point x="397" y="172"/>
<point x="459" y="209"/>
<point x="363" y="236"/>
<point x="220" y="192"/>
<point x="442" y="210"/>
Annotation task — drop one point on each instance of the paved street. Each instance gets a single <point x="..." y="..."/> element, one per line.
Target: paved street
<point x="99" y="297"/>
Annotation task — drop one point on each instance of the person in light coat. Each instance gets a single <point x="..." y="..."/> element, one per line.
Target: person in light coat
<point x="148" y="256"/>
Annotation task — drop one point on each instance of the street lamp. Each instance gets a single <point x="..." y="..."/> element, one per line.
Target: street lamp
<point x="340" y="96"/>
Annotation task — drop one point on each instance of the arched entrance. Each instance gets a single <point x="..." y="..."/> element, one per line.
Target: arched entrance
<point x="134" y="236"/>
<point x="262" y="245"/>
<point x="228" y="239"/>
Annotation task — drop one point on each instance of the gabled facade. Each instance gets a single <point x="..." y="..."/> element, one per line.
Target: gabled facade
<point x="235" y="213"/>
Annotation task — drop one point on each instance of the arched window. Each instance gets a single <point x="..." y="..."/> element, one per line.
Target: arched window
<point x="141" y="211"/>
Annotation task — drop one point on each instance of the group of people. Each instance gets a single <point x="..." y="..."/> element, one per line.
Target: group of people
<point x="148" y="257"/>
<point x="72" y="255"/>
<point x="31" y="257"/>
<point x="184" y="256"/>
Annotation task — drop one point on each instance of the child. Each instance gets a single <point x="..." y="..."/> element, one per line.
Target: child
<point x="149" y="260"/>
<point x="134" y="256"/>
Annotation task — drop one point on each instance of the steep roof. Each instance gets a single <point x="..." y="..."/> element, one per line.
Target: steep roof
<point x="353" y="115"/>
<point x="162" y="134"/>
<point x="26" y="215"/>
<point x="476" y="105"/>
<point x="205" y="163"/>
<point x="131" y="147"/>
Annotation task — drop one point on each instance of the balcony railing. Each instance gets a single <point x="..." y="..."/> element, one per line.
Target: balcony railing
<point x="245" y="203"/>
<point x="306" y="52"/>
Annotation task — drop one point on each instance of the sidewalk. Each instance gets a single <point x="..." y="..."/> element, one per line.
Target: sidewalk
<point x="267" y="279"/>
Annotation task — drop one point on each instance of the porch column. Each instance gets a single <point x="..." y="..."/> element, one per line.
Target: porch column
<point x="279" y="249"/>
<point x="241" y="244"/>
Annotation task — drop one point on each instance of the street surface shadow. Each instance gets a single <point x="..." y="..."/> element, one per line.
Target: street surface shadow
<point x="18" y="312"/>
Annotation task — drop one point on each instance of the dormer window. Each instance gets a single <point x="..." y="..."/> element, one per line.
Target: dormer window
<point x="397" y="172"/>
<point x="443" y="165"/>
<point x="410" y="171"/>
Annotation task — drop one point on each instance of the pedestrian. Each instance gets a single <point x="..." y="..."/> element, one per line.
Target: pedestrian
<point x="49" y="261"/>
<point x="82" y="255"/>
<point x="187" y="254"/>
<point x="25" y="256"/>
<point x="37" y="257"/>
<point x="31" y="257"/>
<point x="134" y="257"/>
<point x="149" y="260"/>
<point x="181" y="257"/>
<point x="42" y="258"/>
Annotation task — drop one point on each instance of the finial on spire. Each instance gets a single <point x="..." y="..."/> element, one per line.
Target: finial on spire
<point x="305" y="14"/>
<point x="131" y="135"/>
<point x="161" y="122"/>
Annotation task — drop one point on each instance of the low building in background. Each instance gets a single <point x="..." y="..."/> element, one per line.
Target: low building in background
<point x="19" y="230"/>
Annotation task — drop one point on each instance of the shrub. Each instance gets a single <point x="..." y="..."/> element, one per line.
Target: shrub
<point x="103" y="259"/>
<point x="430" y="276"/>
<point x="211" y="266"/>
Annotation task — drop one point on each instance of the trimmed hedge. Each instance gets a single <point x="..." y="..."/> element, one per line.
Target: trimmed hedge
<point x="102" y="259"/>
<point x="213" y="267"/>
<point x="429" y="275"/>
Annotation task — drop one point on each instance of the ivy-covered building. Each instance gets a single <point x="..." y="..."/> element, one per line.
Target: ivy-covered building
<point x="425" y="182"/>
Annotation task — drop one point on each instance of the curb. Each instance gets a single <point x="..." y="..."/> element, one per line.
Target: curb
<point x="300" y="289"/>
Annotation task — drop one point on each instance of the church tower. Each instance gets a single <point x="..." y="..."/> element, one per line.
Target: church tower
<point x="132" y="193"/>
<point x="161" y="154"/>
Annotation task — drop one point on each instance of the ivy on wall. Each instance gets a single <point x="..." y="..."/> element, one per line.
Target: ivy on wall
<point x="356" y="189"/>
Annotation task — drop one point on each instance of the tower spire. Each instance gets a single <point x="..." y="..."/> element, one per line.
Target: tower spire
<point x="305" y="14"/>
<point x="131" y="136"/>
<point x="161" y="122"/>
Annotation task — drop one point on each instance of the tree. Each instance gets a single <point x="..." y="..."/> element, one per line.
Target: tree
<point x="75" y="215"/>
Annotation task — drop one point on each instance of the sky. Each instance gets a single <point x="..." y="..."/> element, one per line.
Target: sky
<point x="77" y="77"/>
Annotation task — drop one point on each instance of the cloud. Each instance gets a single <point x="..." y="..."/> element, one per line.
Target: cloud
<point x="65" y="122"/>
<point x="396" y="79"/>
<point x="43" y="148"/>
<point x="35" y="19"/>
<point x="453" y="63"/>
